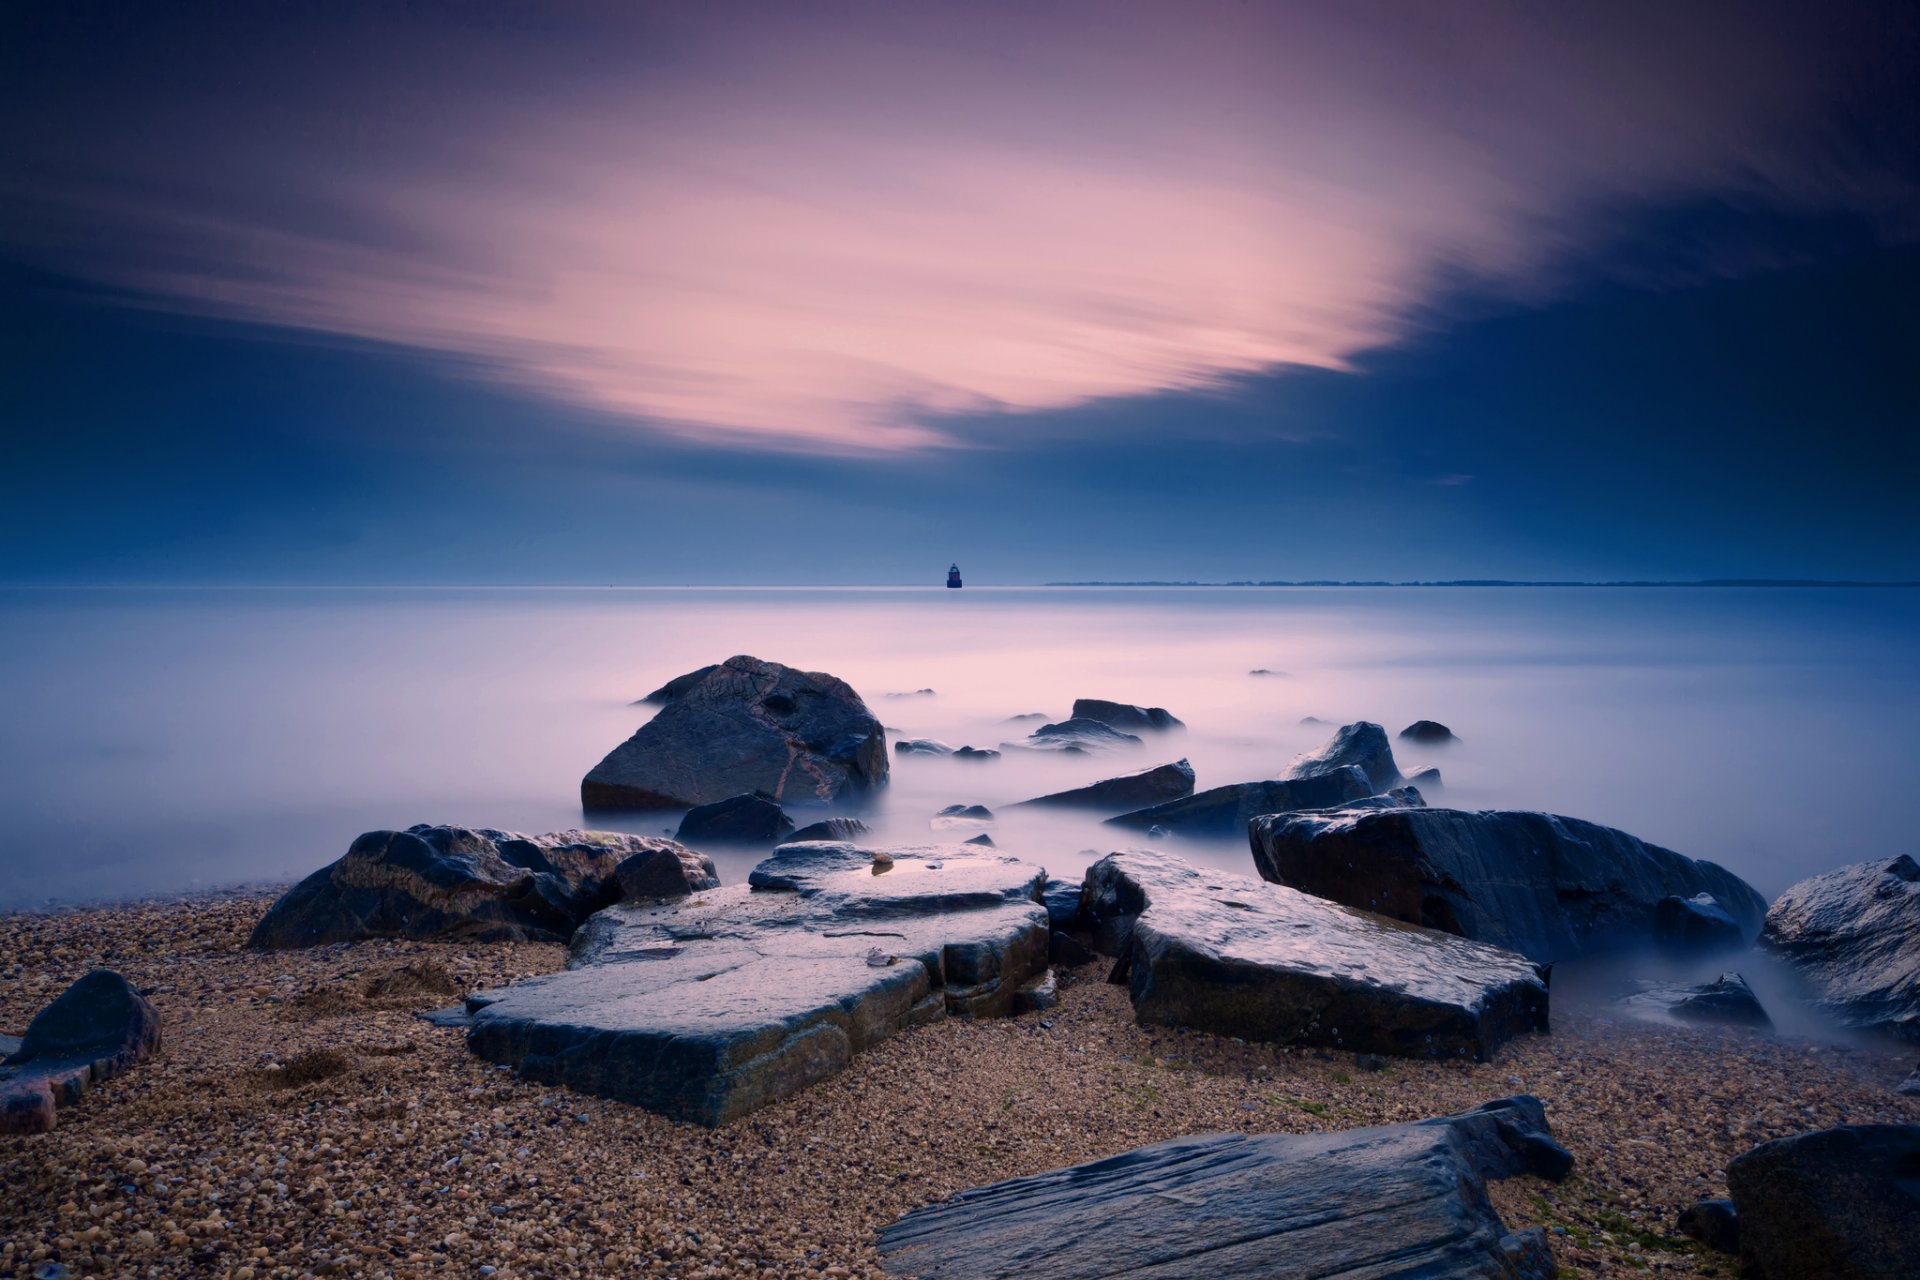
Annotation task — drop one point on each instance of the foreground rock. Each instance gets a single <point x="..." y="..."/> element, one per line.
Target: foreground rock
<point x="922" y="747"/>
<point x="1225" y="811"/>
<point x="1836" y="1204"/>
<point x="1362" y="745"/>
<point x="96" y="1029"/>
<point x="709" y="1007"/>
<point x="1125" y="716"/>
<point x="1546" y="886"/>
<point x="1727" y="1000"/>
<point x="1129" y="791"/>
<point x="802" y="737"/>
<point x="440" y="883"/>
<point x="665" y="870"/>
<point x="1231" y="955"/>
<point x="1395" y="1200"/>
<point x="1854" y="935"/>
<point x="754" y="819"/>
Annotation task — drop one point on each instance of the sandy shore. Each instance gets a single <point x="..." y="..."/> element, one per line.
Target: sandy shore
<point x="300" y="1121"/>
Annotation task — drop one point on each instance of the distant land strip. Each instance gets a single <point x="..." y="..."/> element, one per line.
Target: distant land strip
<point x="1508" y="582"/>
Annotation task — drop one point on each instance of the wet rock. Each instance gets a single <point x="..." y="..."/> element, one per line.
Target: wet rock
<point x="1225" y="811"/>
<point x="1313" y="720"/>
<point x="962" y="817"/>
<point x="707" y="1008"/>
<point x="1069" y="952"/>
<point x="1713" y="1223"/>
<point x="1129" y="791"/>
<point x="1695" y="925"/>
<point x="1062" y="900"/>
<point x="664" y="870"/>
<point x="983" y="839"/>
<point x="1428" y="733"/>
<point x="1854" y="935"/>
<point x="1910" y="1087"/>
<point x="1230" y="1206"/>
<point x="1427" y="779"/>
<point x="800" y="736"/>
<point x="1124" y="715"/>
<point x="452" y="883"/>
<point x="1362" y="745"/>
<point x="1547" y="886"/>
<point x="829" y="829"/>
<point x="1087" y="735"/>
<point x="921" y="747"/>
<point x="976" y="753"/>
<point x="677" y="688"/>
<point x="1835" y="1204"/>
<point x="1039" y="993"/>
<point x="753" y="819"/>
<point x="1727" y="1000"/>
<point x="93" y="1031"/>
<point x="1235" y="956"/>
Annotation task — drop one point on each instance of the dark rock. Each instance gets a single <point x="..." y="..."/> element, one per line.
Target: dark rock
<point x="982" y="839"/>
<point x="1728" y="999"/>
<point x="1031" y="715"/>
<point x="1547" y="886"/>
<point x="1124" y="715"/>
<point x="1427" y="779"/>
<point x="1234" y="956"/>
<point x="10" y="1045"/>
<point x="1088" y="735"/>
<point x="452" y="884"/>
<point x="1428" y="733"/>
<point x="1854" y="935"/>
<point x="93" y="1031"/>
<point x="1372" y="1061"/>
<point x="912" y="693"/>
<point x="962" y="817"/>
<point x="1362" y="745"/>
<point x="666" y="870"/>
<point x="1069" y="952"/>
<point x="1262" y="671"/>
<point x="753" y="819"/>
<point x="1037" y="994"/>
<point x="829" y="829"/>
<point x="677" y="688"/>
<point x="1225" y="811"/>
<point x="706" y="1009"/>
<point x="1394" y="1200"/>
<point x="1062" y="900"/>
<point x="1835" y="1204"/>
<point x="976" y="753"/>
<point x="1694" y="925"/>
<point x="921" y="747"/>
<point x="1910" y="1087"/>
<point x="1713" y="1223"/>
<point x="800" y="736"/>
<point x="1129" y="791"/>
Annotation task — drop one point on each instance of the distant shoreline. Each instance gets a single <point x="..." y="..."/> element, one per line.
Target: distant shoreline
<point x="1507" y="582"/>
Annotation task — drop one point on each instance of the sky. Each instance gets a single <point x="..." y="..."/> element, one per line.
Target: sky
<point x="840" y="292"/>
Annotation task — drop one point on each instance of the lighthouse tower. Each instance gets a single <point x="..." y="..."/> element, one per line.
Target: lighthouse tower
<point x="953" y="576"/>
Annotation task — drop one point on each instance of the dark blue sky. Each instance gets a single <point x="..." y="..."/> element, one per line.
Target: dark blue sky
<point x="1691" y="371"/>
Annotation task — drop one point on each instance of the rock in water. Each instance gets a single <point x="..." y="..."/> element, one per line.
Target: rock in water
<point x="1428" y="733"/>
<point x="666" y="870"/>
<point x="802" y="737"/>
<point x="751" y="819"/>
<point x="1234" y="956"/>
<point x="453" y="883"/>
<point x="1124" y="715"/>
<point x="1129" y="791"/>
<point x="1696" y="924"/>
<point x="1395" y="1200"/>
<point x="1549" y="887"/>
<point x="1835" y="1204"/>
<point x="677" y="688"/>
<point x="977" y="754"/>
<point x="829" y="829"/>
<point x="96" y="1029"/>
<point x="706" y="1008"/>
<point x="1225" y="811"/>
<point x="1727" y="999"/>
<point x="922" y="747"/>
<point x="1080" y="733"/>
<point x="1854" y="934"/>
<point x="1362" y="745"/>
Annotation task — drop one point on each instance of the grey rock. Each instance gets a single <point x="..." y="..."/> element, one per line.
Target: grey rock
<point x="978" y="754"/>
<point x="678" y="687"/>
<point x="1714" y="1223"/>
<point x="921" y="747"/>
<point x="983" y="839"/>
<point x="1727" y="1000"/>
<point x="1235" y="956"/>
<point x="1124" y="715"/>
<point x="93" y="1031"/>
<point x="452" y="884"/>
<point x="829" y="829"/>
<point x="1428" y="733"/>
<point x="753" y="819"/>
<point x="1547" y="886"/>
<point x="1835" y="1204"/>
<point x="1395" y="1200"/>
<point x="1069" y="952"/>
<point x="1427" y="779"/>
<point x="1225" y="811"/>
<point x="709" y="1007"/>
<point x="1152" y="786"/>
<point x="1695" y="925"/>
<point x="1910" y="1087"/>
<point x="800" y="736"/>
<point x="10" y="1045"/>
<point x="1361" y="745"/>
<point x="972" y="812"/>
<point x="1854" y="935"/>
<point x="1087" y="735"/>
<point x="1062" y="900"/>
<point x="1039" y="993"/>
<point x="664" y="870"/>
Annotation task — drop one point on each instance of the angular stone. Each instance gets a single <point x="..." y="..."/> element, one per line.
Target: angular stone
<point x="1361" y="745"/>
<point x="1696" y="924"/>
<point x="753" y="819"/>
<point x="1405" y="1200"/>
<point x="677" y="688"/>
<point x="452" y="883"/>
<point x="1235" y="956"/>
<point x="1546" y="886"/>
<point x="829" y="829"/>
<point x="1124" y="715"/>
<point x="666" y="870"/>
<point x="709" y="1007"/>
<point x="1727" y="1000"/>
<point x="747" y="725"/>
<point x="1225" y="811"/>
<point x="1854" y="935"/>
<point x="983" y="839"/>
<point x="93" y="1031"/>
<point x="1835" y="1204"/>
<point x="1161" y="783"/>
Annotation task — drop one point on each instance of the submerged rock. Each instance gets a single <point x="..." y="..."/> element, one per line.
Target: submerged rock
<point x="1235" y="956"/>
<point x="1392" y="1200"/>
<point x="983" y="839"/>
<point x="1854" y="935"/>
<point x="829" y="829"/>
<point x="93" y="1031"/>
<point x="1727" y="999"/>
<point x="678" y="687"/>
<point x="1225" y="811"/>
<point x="1696" y="924"/>
<point x="1835" y="1204"/>
<point x="442" y="883"/>
<point x="709" y="1007"/>
<point x="1124" y="715"/>
<point x="1427" y="779"/>
<point x="1361" y="745"/>
<point x="1428" y="733"/>
<point x="921" y="747"/>
<point x="1129" y="791"/>
<point x="1546" y="886"/>
<point x="800" y="736"/>
<point x="976" y="753"/>
<point x="751" y="819"/>
<point x="1080" y="732"/>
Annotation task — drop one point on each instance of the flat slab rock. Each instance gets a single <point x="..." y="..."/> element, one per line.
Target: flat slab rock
<point x="1405" y="1200"/>
<point x="1128" y="791"/>
<point x="1236" y="956"/>
<point x="95" y="1030"/>
<point x="1223" y="812"/>
<point x="706" y="1008"/>
<point x="1854" y="935"/>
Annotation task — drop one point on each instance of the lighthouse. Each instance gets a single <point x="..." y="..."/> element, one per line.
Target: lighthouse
<point x="953" y="576"/>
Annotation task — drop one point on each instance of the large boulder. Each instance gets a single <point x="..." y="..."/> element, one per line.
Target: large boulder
<point x="1362" y="745"/>
<point x="1129" y="791"/>
<point x="1854" y="935"/>
<point x="1125" y="716"/>
<point x="706" y="1008"/>
<point x="753" y="819"/>
<point x="1394" y="1200"/>
<point x="1835" y="1204"/>
<point x="1546" y="886"/>
<point x="803" y="737"/>
<point x="96" y="1029"/>
<point x="1221" y="812"/>
<point x="441" y="883"/>
<point x="1234" y="956"/>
